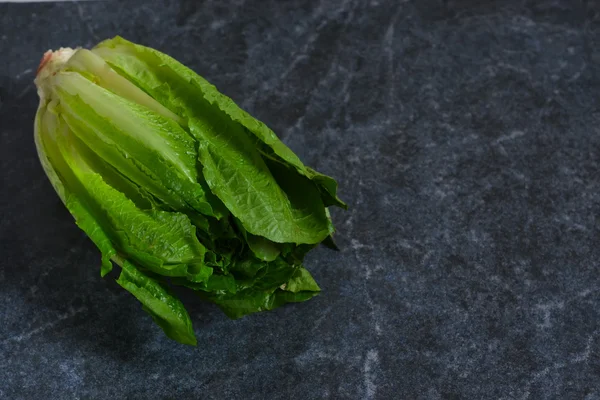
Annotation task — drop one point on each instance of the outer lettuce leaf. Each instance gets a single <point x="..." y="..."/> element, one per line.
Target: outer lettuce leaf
<point x="270" y="276"/>
<point x="46" y="129"/>
<point x="87" y="223"/>
<point x="328" y="188"/>
<point x="232" y="166"/>
<point x="273" y="286"/>
<point x="262" y="248"/>
<point x="40" y="133"/>
<point x="301" y="281"/>
<point x="239" y="177"/>
<point x="153" y="151"/>
<point x="250" y="301"/>
<point x="149" y="69"/>
<point x="216" y="284"/>
<point x="282" y="154"/>
<point x="166" y="310"/>
<point x="162" y="241"/>
<point x="140" y="196"/>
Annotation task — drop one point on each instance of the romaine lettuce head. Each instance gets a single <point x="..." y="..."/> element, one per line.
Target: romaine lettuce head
<point x="176" y="184"/>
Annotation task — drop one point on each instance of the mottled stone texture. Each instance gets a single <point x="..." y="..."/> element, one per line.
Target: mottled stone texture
<point x="466" y="137"/>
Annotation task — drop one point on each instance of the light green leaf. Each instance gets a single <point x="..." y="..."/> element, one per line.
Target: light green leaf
<point x="271" y="285"/>
<point x="149" y="69"/>
<point x="164" y="242"/>
<point x="262" y="248"/>
<point x="301" y="280"/>
<point x="153" y="151"/>
<point x="166" y="310"/>
<point x="250" y="300"/>
<point x="46" y="130"/>
<point x="239" y="177"/>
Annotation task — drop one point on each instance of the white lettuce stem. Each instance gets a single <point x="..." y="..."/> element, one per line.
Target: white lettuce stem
<point x="52" y="62"/>
<point x="86" y="62"/>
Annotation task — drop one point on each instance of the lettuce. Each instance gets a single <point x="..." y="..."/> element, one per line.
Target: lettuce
<point x="177" y="185"/>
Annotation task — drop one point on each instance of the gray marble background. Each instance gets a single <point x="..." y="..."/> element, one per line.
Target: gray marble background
<point x="465" y="136"/>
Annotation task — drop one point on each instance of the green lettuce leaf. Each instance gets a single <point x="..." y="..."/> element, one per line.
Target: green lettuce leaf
<point x="166" y="310"/>
<point x="262" y="248"/>
<point x="231" y="164"/>
<point x="153" y="151"/>
<point x="164" y="242"/>
<point x="150" y="69"/>
<point x="239" y="177"/>
<point x="301" y="281"/>
<point x="56" y="168"/>
<point x="273" y="286"/>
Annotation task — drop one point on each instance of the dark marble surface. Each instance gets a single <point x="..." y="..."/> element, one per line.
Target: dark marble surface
<point x="466" y="138"/>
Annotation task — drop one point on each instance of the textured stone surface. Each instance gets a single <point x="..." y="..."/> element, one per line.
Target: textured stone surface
<point x="466" y="138"/>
